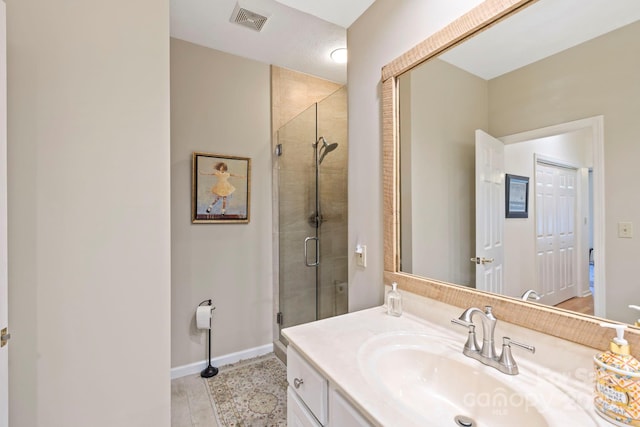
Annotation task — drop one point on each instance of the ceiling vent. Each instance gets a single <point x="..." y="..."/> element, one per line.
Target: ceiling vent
<point x="247" y="18"/>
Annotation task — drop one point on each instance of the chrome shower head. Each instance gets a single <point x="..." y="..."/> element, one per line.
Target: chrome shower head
<point x="326" y="149"/>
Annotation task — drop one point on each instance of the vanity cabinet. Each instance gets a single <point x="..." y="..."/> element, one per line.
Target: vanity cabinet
<point x="312" y="401"/>
<point x="350" y="365"/>
<point x="342" y="413"/>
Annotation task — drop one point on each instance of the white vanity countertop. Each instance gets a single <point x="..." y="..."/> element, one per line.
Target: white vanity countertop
<point x="332" y="345"/>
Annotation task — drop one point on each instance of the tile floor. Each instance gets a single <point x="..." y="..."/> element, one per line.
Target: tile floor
<point x="191" y="403"/>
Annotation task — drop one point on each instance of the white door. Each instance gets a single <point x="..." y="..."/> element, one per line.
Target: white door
<point x="489" y="213"/>
<point x="4" y="309"/>
<point x="556" y="256"/>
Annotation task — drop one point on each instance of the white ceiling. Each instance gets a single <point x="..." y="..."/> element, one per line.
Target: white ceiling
<point x="340" y="12"/>
<point x="519" y="41"/>
<point x="299" y="38"/>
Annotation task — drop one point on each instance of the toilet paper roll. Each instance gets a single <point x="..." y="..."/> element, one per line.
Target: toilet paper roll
<point x="203" y="317"/>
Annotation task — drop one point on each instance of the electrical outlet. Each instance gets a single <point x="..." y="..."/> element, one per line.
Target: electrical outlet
<point x="625" y="230"/>
<point x="361" y="255"/>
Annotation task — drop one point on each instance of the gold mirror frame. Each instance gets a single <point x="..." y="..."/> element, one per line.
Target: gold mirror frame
<point x="563" y="324"/>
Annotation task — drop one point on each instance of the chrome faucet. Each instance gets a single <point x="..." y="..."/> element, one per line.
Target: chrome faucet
<point x="488" y="320"/>
<point x="530" y="295"/>
<point x="487" y="353"/>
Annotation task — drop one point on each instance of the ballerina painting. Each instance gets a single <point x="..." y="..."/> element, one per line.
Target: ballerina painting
<point x="221" y="188"/>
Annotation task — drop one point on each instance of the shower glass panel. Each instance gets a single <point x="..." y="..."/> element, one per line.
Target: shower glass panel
<point x="312" y="213"/>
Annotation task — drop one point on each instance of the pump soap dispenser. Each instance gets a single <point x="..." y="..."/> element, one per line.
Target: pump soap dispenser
<point x="394" y="301"/>
<point x="636" y="307"/>
<point x="617" y="388"/>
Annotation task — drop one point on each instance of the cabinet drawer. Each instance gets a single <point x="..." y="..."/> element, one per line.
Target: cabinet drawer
<point x="297" y="413"/>
<point x="308" y="384"/>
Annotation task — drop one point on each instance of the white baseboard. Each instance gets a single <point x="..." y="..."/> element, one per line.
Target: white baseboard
<point x="194" y="368"/>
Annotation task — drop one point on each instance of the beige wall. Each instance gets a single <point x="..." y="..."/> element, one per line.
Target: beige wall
<point x="386" y="30"/>
<point x="89" y="228"/>
<point x="230" y="263"/>
<point x="447" y="105"/>
<point x="596" y="78"/>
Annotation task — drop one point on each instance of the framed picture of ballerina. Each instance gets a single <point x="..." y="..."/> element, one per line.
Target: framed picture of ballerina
<point x="220" y="189"/>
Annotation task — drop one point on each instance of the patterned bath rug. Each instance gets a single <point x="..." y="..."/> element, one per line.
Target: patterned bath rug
<point x="251" y="393"/>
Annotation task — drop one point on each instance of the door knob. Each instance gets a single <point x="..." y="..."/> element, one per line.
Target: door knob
<point x="482" y="261"/>
<point x="4" y="337"/>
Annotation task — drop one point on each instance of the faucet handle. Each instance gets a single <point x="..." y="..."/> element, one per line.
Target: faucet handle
<point x="506" y="361"/>
<point x="472" y="343"/>
<point x="509" y="341"/>
<point x="462" y="323"/>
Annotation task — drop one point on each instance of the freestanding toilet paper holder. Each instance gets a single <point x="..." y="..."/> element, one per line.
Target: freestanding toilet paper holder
<point x="209" y="371"/>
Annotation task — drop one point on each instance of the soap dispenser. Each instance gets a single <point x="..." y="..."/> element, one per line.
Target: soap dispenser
<point x="394" y="301"/>
<point x="617" y="388"/>
<point x="636" y="307"/>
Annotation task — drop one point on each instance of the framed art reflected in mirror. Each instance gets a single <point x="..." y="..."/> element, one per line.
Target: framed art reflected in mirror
<point x="516" y="196"/>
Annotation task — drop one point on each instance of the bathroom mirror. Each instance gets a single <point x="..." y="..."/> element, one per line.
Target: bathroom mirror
<point x="539" y="75"/>
<point x="434" y="98"/>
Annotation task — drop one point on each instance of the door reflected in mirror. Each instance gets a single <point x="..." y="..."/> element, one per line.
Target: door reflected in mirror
<point x="562" y="114"/>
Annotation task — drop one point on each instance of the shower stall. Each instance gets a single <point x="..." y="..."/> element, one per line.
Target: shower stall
<point x="311" y="193"/>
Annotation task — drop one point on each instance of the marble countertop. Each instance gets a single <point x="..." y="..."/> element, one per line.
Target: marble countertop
<point x="333" y="345"/>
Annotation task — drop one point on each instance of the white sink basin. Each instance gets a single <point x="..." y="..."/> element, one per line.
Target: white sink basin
<point x="429" y="377"/>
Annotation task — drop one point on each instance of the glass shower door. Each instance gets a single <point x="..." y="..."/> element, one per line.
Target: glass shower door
<point x="296" y="204"/>
<point x="311" y="175"/>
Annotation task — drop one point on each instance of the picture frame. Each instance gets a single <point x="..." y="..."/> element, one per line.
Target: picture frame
<point x="220" y="189"/>
<point x="517" y="196"/>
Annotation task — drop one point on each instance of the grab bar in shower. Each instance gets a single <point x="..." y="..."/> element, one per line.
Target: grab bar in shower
<point x="306" y="258"/>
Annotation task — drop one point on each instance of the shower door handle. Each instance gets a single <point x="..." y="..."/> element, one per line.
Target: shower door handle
<point x="306" y="258"/>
